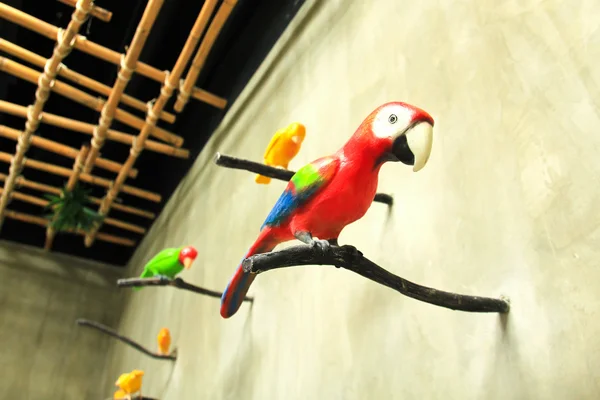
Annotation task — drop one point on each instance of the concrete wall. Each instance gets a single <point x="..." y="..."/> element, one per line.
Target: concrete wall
<point x="508" y="205"/>
<point x="43" y="354"/>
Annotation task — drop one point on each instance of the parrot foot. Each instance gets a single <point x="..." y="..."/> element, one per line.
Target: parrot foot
<point x="307" y="238"/>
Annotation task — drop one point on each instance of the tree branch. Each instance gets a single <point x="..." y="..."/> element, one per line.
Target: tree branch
<point x="124" y="339"/>
<point x="177" y="282"/>
<point x="226" y="161"/>
<point x="350" y="258"/>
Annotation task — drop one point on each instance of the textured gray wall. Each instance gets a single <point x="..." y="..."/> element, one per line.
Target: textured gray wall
<point x="43" y="354"/>
<point x="507" y="205"/>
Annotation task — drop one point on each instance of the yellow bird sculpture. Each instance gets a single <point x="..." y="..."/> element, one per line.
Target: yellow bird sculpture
<point x="283" y="147"/>
<point x="164" y="341"/>
<point x="130" y="383"/>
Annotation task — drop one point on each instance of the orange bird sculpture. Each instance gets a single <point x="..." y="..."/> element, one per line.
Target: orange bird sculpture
<point x="164" y="341"/>
<point x="130" y="383"/>
<point x="283" y="147"/>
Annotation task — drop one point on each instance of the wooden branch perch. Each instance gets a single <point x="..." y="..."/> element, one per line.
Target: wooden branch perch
<point x="226" y="161"/>
<point x="35" y="220"/>
<point x="78" y="78"/>
<point x="63" y="150"/>
<point x="177" y="282"/>
<point x="81" y="97"/>
<point x="77" y="168"/>
<point x="88" y="129"/>
<point x="185" y="89"/>
<point x="41" y="187"/>
<point x="97" y="12"/>
<point x="44" y="81"/>
<point x="82" y="44"/>
<point x="350" y="258"/>
<point x="166" y="92"/>
<point x="95" y="180"/>
<point x="128" y="65"/>
<point x="110" y="332"/>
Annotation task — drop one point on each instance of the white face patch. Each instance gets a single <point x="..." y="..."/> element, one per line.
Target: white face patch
<point x="391" y="120"/>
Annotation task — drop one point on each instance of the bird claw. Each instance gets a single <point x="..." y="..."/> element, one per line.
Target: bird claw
<point x="322" y="245"/>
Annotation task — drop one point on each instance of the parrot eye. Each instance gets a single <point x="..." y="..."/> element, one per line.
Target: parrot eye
<point x="393" y="118"/>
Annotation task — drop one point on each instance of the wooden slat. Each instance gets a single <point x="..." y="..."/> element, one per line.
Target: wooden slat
<point x="97" y="12"/>
<point x="32" y="219"/>
<point x="42" y="187"/>
<point x="82" y="44"/>
<point x="95" y="180"/>
<point x="44" y="82"/>
<point x="88" y="129"/>
<point x="80" y="79"/>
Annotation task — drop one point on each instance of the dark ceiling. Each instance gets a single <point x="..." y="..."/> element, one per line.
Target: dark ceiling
<point x="247" y="37"/>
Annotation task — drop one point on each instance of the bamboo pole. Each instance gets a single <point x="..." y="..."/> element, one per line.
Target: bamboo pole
<point x="214" y="29"/>
<point x="166" y="92"/>
<point x="42" y="187"/>
<point x="45" y="81"/>
<point x="96" y="12"/>
<point x="82" y="44"/>
<point x="35" y="220"/>
<point x="77" y="168"/>
<point x="81" y="97"/>
<point x="88" y="129"/>
<point x="80" y="79"/>
<point x="61" y="149"/>
<point x="95" y="180"/>
<point x="128" y="65"/>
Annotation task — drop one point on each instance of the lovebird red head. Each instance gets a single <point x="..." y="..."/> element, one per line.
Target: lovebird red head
<point x="395" y="131"/>
<point x="187" y="256"/>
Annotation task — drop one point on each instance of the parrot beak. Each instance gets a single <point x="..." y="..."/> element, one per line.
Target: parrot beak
<point x="413" y="146"/>
<point x="187" y="263"/>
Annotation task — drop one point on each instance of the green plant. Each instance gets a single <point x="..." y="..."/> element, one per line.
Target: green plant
<point x="69" y="211"/>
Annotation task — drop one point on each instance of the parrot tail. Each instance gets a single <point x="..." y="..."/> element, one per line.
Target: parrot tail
<point x="145" y="274"/>
<point x="262" y="179"/>
<point x="238" y="286"/>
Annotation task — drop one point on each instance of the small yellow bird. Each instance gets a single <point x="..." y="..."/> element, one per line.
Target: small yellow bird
<point x="130" y="383"/>
<point x="164" y="341"/>
<point x="283" y="147"/>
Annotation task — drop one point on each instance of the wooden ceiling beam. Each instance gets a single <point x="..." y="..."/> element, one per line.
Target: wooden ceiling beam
<point x="63" y="150"/>
<point x="95" y="180"/>
<point x="42" y="187"/>
<point x="96" y="12"/>
<point x="40" y="221"/>
<point x="80" y="79"/>
<point x="166" y="91"/>
<point x="128" y="66"/>
<point x="82" y="44"/>
<point x="45" y="81"/>
<point x="88" y="129"/>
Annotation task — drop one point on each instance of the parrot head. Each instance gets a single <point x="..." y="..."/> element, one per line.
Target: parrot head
<point x="187" y="256"/>
<point x="396" y="131"/>
<point x="296" y="132"/>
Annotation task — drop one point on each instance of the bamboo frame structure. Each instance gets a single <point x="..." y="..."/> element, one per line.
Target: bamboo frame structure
<point x="95" y="180"/>
<point x="88" y="129"/>
<point x="45" y="81"/>
<point x="61" y="149"/>
<point x="35" y="220"/>
<point x="82" y="44"/>
<point x="128" y="65"/>
<point x="166" y="92"/>
<point x="185" y="87"/>
<point x="81" y="97"/>
<point x="42" y="187"/>
<point x="82" y="80"/>
<point x="96" y="12"/>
